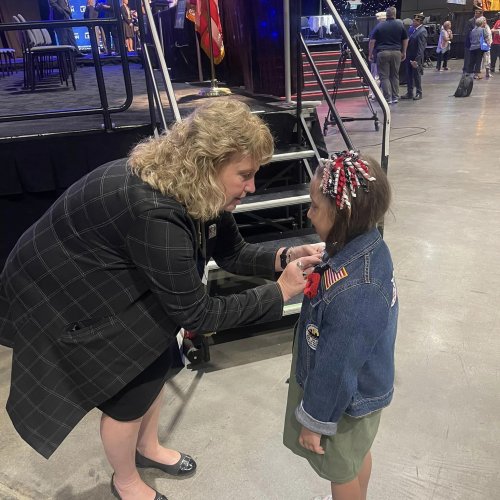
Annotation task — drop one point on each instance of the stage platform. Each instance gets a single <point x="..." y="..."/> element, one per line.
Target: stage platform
<point x="40" y="158"/>
<point x="329" y="41"/>
<point x="51" y="95"/>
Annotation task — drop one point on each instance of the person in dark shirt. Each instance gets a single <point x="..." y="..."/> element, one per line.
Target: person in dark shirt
<point x="106" y="11"/>
<point x="471" y="24"/>
<point x="60" y="10"/>
<point x="390" y="40"/>
<point x="381" y="17"/>
<point x="92" y="13"/>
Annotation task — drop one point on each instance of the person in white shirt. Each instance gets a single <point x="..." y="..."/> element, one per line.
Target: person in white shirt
<point x="444" y="46"/>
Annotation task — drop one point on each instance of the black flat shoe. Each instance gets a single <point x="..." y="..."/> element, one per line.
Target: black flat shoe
<point x="406" y="96"/>
<point x="184" y="467"/>
<point x="158" y="496"/>
<point x="417" y="97"/>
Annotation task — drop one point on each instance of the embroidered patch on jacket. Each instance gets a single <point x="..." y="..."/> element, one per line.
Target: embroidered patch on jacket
<point x="212" y="231"/>
<point x="312" y="336"/>
<point x="394" y="291"/>
<point x="331" y="277"/>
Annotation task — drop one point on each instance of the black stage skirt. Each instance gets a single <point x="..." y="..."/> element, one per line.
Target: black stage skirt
<point x="134" y="400"/>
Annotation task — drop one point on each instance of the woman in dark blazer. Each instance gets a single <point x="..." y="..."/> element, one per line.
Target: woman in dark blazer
<point x="93" y="294"/>
<point x="128" y="26"/>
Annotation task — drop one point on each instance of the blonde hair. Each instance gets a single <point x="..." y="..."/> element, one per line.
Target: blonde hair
<point x="185" y="162"/>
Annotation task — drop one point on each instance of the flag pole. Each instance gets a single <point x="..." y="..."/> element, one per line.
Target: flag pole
<point x="214" y="90"/>
<point x="198" y="58"/>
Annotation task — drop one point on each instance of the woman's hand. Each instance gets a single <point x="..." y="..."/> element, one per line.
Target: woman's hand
<point x="294" y="253"/>
<point x="293" y="279"/>
<point x="305" y="250"/>
<point x="311" y="441"/>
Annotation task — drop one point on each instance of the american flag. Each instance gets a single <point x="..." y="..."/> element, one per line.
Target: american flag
<point x="331" y="277"/>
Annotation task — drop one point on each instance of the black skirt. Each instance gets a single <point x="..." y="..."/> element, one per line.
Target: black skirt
<point x="134" y="400"/>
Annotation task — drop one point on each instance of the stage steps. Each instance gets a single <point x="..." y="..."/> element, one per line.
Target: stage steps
<point x="292" y="153"/>
<point x="277" y="197"/>
<point x="327" y="63"/>
<point x="275" y="215"/>
<point x="280" y="197"/>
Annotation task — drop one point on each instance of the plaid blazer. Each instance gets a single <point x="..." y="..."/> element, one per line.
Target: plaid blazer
<point x="98" y="288"/>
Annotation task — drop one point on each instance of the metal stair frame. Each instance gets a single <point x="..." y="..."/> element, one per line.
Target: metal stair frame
<point x="329" y="63"/>
<point x="150" y="79"/>
<point x="367" y="76"/>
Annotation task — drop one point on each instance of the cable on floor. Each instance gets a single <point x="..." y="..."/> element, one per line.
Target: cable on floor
<point x="422" y="130"/>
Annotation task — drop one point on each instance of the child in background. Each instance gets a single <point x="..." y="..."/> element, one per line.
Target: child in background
<point x="343" y="361"/>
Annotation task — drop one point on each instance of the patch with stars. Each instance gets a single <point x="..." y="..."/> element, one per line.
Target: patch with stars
<point x="330" y="277"/>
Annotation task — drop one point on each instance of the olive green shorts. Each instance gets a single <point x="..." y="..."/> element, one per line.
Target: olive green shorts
<point x="344" y="451"/>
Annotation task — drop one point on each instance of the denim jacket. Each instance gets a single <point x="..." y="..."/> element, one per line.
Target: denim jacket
<point x="346" y="336"/>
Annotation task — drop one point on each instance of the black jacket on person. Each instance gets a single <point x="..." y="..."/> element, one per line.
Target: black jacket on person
<point x="60" y="9"/>
<point x="417" y="43"/>
<point x="471" y="24"/>
<point x="98" y="288"/>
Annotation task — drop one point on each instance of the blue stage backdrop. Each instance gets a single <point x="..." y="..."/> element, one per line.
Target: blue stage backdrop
<point x="81" y="34"/>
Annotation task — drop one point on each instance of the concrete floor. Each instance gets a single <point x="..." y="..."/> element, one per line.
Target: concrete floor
<point x="440" y="438"/>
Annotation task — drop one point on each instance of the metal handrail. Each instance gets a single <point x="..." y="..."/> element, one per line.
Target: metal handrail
<point x="326" y="95"/>
<point x="161" y="58"/>
<point x="105" y="110"/>
<point x="368" y="78"/>
<point x="154" y="98"/>
<point x="286" y="41"/>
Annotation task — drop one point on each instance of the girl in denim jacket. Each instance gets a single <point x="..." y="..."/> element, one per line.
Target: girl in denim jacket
<point x="343" y="358"/>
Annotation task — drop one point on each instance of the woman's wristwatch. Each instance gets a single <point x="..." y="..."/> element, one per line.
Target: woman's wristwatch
<point x="285" y="257"/>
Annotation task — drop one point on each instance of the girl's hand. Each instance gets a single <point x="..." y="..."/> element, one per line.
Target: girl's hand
<point x="311" y="441"/>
